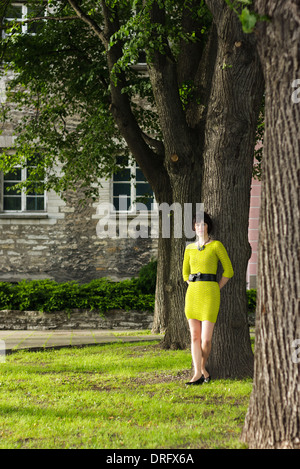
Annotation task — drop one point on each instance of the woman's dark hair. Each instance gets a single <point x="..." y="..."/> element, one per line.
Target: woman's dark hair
<point x="207" y="220"/>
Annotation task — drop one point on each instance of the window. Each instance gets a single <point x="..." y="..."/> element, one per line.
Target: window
<point x="131" y="191"/>
<point x="18" y="11"/>
<point x="16" y="201"/>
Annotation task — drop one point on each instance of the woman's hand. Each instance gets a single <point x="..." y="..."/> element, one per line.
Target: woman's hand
<point x="223" y="282"/>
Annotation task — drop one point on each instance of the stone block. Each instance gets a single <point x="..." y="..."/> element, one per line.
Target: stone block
<point x="76" y="319"/>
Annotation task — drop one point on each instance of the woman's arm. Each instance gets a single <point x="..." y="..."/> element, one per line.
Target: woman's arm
<point x="223" y="282"/>
<point x="226" y="263"/>
<point x="186" y="266"/>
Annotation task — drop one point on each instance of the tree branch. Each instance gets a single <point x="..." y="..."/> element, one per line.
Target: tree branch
<point x="190" y="52"/>
<point x="148" y="160"/>
<point x="156" y="144"/>
<point x="89" y="21"/>
<point x="54" y="18"/>
<point x="197" y="109"/>
<point x="164" y="79"/>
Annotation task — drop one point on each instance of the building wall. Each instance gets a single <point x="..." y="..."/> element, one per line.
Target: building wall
<point x="65" y="243"/>
<point x="253" y="232"/>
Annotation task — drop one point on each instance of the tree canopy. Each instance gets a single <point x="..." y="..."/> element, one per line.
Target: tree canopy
<point x="175" y="84"/>
<point x="63" y="82"/>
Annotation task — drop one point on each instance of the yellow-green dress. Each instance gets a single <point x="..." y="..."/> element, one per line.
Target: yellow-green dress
<point x="202" y="299"/>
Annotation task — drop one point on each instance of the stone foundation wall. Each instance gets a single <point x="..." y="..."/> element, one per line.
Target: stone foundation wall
<point x="64" y="242"/>
<point x="63" y="245"/>
<point x="77" y="319"/>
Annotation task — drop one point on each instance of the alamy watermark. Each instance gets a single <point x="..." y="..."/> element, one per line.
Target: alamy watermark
<point x="296" y="351"/>
<point x="2" y="351"/>
<point x="176" y="220"/>
<point x="296" y="93"/>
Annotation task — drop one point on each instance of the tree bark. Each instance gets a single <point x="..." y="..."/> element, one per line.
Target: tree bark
<point x="169" y="314"/>
<point x="228" y="159"/>
<point x="177" y="333"/>
<point x="183" y="163"/>
<point x="176" y="172"/>
<point x="273" y="418"/>
<point x="230" y="99"/>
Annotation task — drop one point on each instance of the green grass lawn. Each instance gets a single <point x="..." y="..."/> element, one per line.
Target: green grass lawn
<point x="115" y="396"/>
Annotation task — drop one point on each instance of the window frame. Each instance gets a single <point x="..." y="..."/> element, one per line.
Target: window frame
<point x="24" y="12"/>
<point x="23" y="195"/>
<point x="133" y="206"/>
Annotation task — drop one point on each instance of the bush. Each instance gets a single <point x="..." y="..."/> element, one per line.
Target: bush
<point x="251" y="295"/>
<point x="47" y="296"/>
<point x="101" y="294"/>
<point x="147" y="277"/>
<point x="6" y="295"/>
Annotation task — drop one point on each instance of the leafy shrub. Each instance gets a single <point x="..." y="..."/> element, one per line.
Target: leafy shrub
<point x="146" y="280"/>
<point x="6" y="296"/>
<point x="47" y="296"/>
<point x="101" y="294"/>
<point x="251" y="295"/>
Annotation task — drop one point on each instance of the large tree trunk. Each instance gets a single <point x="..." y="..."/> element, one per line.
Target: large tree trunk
<point x="228" y="159"/>
<point x="169" y="314"/>
<point x="161" y="316"/>
<point x="273" y="415"/>
<point x="177" y="332"/>
<point x="231" y="87"/>
<point x="175" y="169"/>
<point x="183" y="163"/>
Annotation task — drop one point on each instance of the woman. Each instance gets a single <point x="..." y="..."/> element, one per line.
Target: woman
<point x="203" y="294"/>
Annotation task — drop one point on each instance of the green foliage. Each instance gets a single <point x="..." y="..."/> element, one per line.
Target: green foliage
<point x="146" y="281"/>
<point x="6" y="296"/>
<point x="62" y="82"/>
<point x="48" y="296"/>
<point x="100" y="294"/>
<point x="251" y="295"/>
<point x="62" y="76"/>
<point x="247" y="18"/>
<point x="141" y="32"/>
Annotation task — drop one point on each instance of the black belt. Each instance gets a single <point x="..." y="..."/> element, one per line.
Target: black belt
<point x="202" y="277"/>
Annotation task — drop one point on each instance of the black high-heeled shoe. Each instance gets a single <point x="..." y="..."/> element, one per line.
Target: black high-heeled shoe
<point x="197" y="382"/>
<point x="207" y="380"/>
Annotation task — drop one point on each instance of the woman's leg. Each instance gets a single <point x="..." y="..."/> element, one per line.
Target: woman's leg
<point x="206" y="338"/>
<point x="195" y="329"/>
